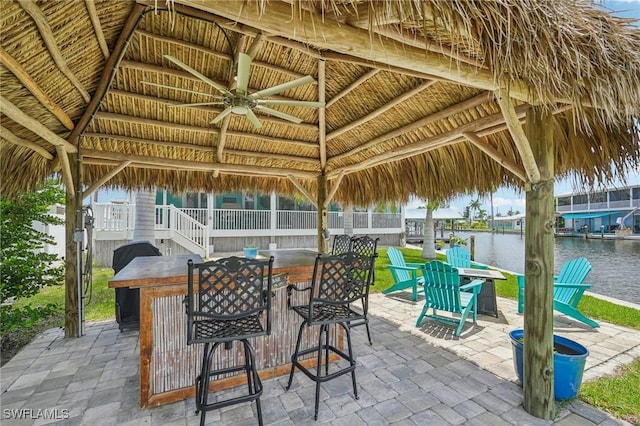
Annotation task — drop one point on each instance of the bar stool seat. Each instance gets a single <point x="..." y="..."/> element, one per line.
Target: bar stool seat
<point x="228" y="305"/>
<point x="338" y="281"/>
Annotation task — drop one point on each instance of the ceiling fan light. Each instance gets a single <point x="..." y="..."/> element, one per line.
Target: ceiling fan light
<point x="239" y="110"/>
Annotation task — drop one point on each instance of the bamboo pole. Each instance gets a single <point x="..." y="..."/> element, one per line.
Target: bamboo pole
<point x="538" y="313"/>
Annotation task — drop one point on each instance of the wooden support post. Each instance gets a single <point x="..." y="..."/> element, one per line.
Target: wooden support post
<point x="71" y="298"/>
<point x="323" y="218"/>
<point x="472" y="247"/>
<point x="538" y="312"/>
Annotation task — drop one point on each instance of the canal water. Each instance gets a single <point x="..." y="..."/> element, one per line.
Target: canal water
<point x="615" y="263"/>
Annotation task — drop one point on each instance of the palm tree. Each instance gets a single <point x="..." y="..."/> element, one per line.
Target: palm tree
<point x="429" y="237"/>
<point x="474" y="206"/>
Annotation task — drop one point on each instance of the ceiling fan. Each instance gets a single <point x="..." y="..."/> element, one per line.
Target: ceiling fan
<point x="239" y="101"/>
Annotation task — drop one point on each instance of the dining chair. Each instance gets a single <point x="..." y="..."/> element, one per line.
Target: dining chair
<point x="230" y="302"/>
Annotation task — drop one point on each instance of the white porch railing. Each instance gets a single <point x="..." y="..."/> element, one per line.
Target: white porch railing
<point x="193" y="226"/>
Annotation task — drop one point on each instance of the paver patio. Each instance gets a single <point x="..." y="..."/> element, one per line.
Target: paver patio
<point x="410" y="376"/>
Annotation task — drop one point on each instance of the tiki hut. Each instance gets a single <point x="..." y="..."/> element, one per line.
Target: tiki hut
<point x="355" y="101"/>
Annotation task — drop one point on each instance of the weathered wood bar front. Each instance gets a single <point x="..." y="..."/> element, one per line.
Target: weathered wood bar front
<point x="168" y="366"/>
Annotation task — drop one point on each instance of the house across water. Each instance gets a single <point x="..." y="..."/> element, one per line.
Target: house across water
<point x="614" y="210"/>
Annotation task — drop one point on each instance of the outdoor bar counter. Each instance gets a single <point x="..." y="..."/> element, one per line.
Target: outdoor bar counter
<point x="168" y="366"/>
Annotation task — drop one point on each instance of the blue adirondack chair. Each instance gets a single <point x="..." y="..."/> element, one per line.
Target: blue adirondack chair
<point x="568" y="288"/>
<point x="405" y="275"/>
<point x="460" y="257"/>
<point x="443" y="292"/>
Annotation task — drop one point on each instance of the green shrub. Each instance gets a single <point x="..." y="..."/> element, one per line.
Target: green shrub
<point x="26" y="268"/>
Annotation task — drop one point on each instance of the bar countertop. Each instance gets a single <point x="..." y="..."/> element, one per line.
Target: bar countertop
<point x="145" y="271"/>
<point x="156" y="271"/>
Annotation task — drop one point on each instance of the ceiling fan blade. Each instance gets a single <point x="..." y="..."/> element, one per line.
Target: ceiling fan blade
<point x="308" y="104"/>
<point x="222" y="115"/>
<point x="253" y="119"/>
<point x="198" y="74"/>
<point x="196" y="104"/>
<point x="278" y="114"/>
<point x="282" y="87"/>
<point x="148" y="83"/>
<point x="244" y="64"/>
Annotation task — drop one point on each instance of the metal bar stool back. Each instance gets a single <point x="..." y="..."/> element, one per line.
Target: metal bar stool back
<point x="365" y="246"/>
<point x="338" y="282"/>
<point x="341" y="244"/>
<point x="231" y="301"/>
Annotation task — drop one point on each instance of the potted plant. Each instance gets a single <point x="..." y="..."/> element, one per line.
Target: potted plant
<point x="250" y="251"/>
<point x="569" y="358"/>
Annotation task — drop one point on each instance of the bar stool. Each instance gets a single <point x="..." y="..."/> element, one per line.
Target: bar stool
<point x="228" y="304"/>
<point x="338" y="281"/>
<point x="365" y="246"/>
<point x="341" y="244"/>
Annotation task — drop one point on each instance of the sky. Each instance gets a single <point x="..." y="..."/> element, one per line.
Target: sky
<point x="503" y="199"/>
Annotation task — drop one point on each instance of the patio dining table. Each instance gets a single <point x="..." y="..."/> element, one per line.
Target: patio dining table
<point x="168" y="366"/>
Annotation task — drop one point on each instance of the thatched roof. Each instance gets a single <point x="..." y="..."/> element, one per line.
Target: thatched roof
<point x="417" y="94"/>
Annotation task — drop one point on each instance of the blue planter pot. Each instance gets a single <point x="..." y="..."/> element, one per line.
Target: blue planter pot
<point x="250" y="252"/>
<point x="569" y="358"/>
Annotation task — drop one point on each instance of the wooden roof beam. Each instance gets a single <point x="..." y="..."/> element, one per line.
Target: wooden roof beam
<point x="97" y="27"/>
<point x="155" y="123"/>
<point x="331" y="35"/>
<point x="447" y="138"/>
<point x="97" y="184"/>
<point x="501" y="159"/>
<point x="46" y="33"/>
<point x="174" y="164"/>
<point x="108" y="72"/>
<point x="438" y="142"/>
<point x="303" y="190"/>
<point x="202" y="148"/>
<point x="332" y="56"/>
<point x="232" y="25"/>
<point x="14" y="113"/>
<point x="16" y="140"/>
<point x="334" y="189"/>
<point x="442" y="114"/>
<point x="518" y="135"/>
<point x="364" y="77"/>
<point x="384" y="108"/>
<point x="222" y="55"/>
<point x="33" y="87"/>
<point x="149" y="141"/>
<point x="65" y="171"/>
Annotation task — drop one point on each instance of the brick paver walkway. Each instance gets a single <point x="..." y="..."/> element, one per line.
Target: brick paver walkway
<point x="410" y="376"/>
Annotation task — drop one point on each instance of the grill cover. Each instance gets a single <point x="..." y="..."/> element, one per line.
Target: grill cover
<point x="128" y="299"/>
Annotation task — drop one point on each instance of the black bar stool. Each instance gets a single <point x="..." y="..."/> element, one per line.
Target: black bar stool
<point x="228" y="304"/>
<point x="365" y="246"/>
<point x="338" y="281"/>
<point x="341" y="244"/>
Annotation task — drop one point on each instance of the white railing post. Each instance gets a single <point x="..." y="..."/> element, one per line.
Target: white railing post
<point x="273" y="223"/>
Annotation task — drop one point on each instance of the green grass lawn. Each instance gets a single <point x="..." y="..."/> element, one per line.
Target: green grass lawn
<point x="618" y="394"/>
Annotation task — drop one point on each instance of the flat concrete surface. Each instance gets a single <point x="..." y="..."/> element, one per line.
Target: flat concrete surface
<point x="410" y="376"/>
